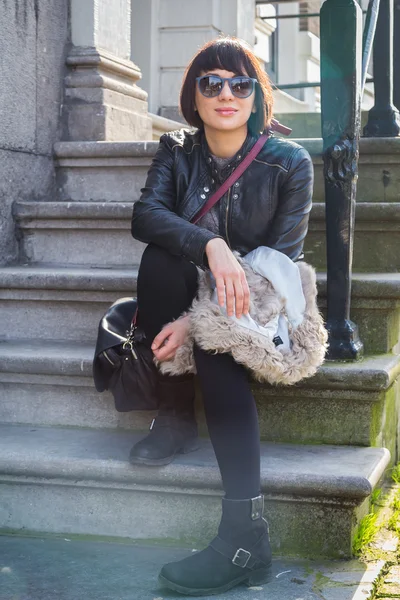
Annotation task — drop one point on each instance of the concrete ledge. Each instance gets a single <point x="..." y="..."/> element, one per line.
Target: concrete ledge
<point x="24" y="212"/>
<point x="373" y="373"/>
<point x="99" y="162"/>
<point x="365" y="285"/>
<point x="55" y="297"/>
<point x="373" y="212"/>
<point x="368" y="146"/>
<point x="64" y="278"/>
<point x="79" y="481"/>
<point x="369" y="285"/>
<point x="74" y="233"/>
<point x="376" y="214"/>
<point x="101" y="456"/>
<point x="50" y="383"/>
<point x="105" y="149"/>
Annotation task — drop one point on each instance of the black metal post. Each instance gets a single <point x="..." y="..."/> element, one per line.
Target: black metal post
<point x="341" y="64"/>
<point x="383" y="118"/>
<point x="396" y="55"/>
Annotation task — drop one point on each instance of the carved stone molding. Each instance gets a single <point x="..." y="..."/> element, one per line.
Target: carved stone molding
<point x="102" y="99"/>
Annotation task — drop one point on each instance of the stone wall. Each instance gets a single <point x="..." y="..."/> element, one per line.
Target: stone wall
<point x="33" y="38"/>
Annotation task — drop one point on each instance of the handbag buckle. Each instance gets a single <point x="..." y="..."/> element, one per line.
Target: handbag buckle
<point x="128" y="345"/>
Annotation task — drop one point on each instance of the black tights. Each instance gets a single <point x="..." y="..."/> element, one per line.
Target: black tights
<point x="167" y="285"/>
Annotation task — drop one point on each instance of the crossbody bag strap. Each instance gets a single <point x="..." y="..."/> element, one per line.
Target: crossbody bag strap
<point x="240" y="169"/>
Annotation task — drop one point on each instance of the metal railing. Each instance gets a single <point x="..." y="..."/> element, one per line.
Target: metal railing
<point x="346" y="49"/>
<point x="344" y="62"/>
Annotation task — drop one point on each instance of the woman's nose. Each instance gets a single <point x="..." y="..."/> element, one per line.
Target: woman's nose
<point x="226" y="91"/>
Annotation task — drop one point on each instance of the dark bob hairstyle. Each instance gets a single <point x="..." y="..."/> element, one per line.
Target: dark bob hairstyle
<point x="230" y="54"/>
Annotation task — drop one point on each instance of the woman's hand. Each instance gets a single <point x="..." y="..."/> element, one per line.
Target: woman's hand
<point x="170" y="338"/>
<point x="230" y="278"/>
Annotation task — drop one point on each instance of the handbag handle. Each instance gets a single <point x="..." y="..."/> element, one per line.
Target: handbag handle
<point x="240" y="169"/>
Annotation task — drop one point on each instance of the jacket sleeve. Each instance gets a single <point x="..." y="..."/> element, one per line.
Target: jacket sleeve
<point x="290" y="223"/>
<point x="154" y="218"/>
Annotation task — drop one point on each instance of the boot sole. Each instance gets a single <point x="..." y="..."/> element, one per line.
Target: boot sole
<point x="254" y="578"/>
<point x="190" y="446"/>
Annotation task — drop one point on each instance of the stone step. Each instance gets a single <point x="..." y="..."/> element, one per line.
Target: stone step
<point x="376" y="237"/>
<point x="79" y="481"/>
<point x="76" y="233"/>
<point x="115" y="171"/>
<point x="67" y="303"/>
<point x="50" y="383"/>
<point x="44" y="302"/>
<point x="98" y="233"/>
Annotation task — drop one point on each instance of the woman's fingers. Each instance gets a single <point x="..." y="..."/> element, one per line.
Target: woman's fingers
<point x="220" y="290"/>
<point x="160" y="338"/>
<point x="230" y="296"/>
<point x="246" y="295"/>
<point x="239" y="298"/>
<point x="167" y="352"/>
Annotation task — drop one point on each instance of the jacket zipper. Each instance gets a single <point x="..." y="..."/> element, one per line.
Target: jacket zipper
<point x="227" y="217"/>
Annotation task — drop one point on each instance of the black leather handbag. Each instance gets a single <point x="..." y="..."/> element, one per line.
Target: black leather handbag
<point x="123" y="363"/>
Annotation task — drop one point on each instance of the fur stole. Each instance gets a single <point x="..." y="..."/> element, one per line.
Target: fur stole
<point x="213" y="331"/>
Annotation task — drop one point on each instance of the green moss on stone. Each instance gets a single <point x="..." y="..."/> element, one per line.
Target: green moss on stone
<point x="383" y="426"/>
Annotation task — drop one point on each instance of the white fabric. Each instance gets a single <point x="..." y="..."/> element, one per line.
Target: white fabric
<point x="284" y="275"/>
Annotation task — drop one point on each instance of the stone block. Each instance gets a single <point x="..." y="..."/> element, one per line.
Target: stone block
<point x="393" y="577"/>
<point x="376" y="239"/>
<point x="54" y="304"/>
<point x="390" y="589"/>
<point x="102" y="171"/>
<point x="18" y="30"/>
<point x="28" y="176"/>
<point x="375" y="308"/>
<point x="52" y="39"/>
<point x="77" y="233"/>
<point x="378" y="169"/>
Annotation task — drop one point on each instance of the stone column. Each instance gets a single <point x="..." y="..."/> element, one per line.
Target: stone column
<point x="102" y="98"/>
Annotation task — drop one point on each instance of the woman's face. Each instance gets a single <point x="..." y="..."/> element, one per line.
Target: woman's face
<point x="211" y="110"/>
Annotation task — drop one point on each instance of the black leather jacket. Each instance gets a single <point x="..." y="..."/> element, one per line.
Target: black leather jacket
<point x="269" y="205"/>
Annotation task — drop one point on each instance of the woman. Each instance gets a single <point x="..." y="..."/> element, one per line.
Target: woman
<point x="228" y="98"/>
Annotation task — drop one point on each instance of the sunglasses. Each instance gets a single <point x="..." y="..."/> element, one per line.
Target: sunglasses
<point x="212" y="85"/>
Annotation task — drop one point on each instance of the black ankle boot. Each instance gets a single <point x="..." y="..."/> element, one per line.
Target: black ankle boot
<point x="174" y="430"/>
<point x="241" y="552"/>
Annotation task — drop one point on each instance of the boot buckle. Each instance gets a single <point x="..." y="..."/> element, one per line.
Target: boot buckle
<point x="241" y="558"/>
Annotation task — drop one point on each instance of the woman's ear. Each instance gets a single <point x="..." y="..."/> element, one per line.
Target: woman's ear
<point x="254" y="109"/>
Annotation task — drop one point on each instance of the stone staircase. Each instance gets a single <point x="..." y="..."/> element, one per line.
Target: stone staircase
<point x="326" y="443"/>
